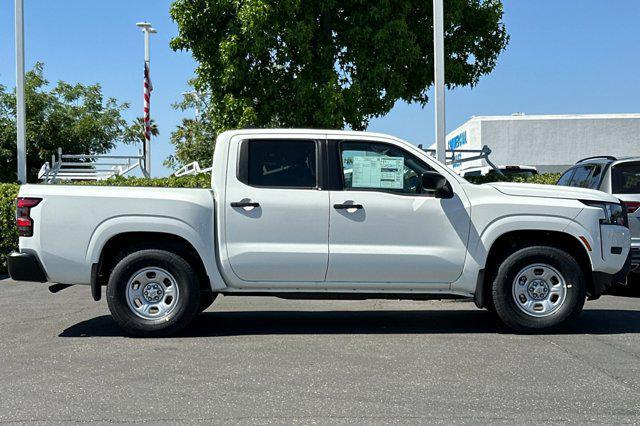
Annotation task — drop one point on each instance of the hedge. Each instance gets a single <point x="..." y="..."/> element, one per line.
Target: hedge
<point x="8" y="230"/>
<point x="545" y="179"/>
<point x="9" y="191"/>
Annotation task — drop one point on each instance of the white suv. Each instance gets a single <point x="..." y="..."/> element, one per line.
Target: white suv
<point x="619" y="177"/>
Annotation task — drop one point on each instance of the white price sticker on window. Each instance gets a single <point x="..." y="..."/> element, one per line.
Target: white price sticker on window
<point x="378" y="172"/>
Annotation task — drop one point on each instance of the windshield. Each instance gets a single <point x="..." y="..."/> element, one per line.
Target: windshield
<point x="625" y="178"/>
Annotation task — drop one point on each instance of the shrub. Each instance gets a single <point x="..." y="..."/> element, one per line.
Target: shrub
<point x="545" y="178"/>
<point x="8" y="230"/>
<point x="199" y="181"/>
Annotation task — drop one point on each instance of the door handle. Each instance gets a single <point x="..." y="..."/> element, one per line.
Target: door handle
<point x="237" y="204"/>
<point x="348" y="206"/>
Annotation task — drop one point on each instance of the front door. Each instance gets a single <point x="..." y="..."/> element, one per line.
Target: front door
<point x="383" y="229"/>
<point x="276" y="218"/>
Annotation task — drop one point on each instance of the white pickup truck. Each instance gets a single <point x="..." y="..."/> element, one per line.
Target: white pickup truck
<point x="324" y="214"/>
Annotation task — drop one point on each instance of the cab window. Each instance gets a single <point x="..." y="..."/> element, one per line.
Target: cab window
<point x="381" y="167"/>
<point x="279" y="163"/>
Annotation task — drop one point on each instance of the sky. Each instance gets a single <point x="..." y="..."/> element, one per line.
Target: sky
<point x="564" y="57"/>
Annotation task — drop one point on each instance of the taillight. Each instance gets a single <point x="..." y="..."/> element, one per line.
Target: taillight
<point x="23" y="215"/>
<point x="632" y="206"/>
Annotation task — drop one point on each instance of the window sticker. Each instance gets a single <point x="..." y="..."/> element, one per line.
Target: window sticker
<point x="378" y="172"/>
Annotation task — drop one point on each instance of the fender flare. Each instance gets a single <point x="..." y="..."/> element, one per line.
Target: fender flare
<point x="114" y="226"/>
<point x="500" y="227"/>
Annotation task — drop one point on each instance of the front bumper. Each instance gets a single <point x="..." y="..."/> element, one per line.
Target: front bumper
<point x="604" y="283"/>
<point x="635" y="258"/>
<point x="25" y="267"/>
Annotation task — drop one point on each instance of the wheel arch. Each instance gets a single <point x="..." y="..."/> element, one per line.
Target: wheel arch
<point x="116" y="234"/>
<point x="127" y="242"/>
<point x="511" y="241"/>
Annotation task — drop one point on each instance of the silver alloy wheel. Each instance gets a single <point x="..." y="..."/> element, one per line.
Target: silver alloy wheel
<point x="539" y="290"/>
<point x="152" y="293"/>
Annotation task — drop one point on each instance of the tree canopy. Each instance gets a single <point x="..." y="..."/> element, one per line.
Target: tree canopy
<point x="134" y="134"/>
<point x="329" y="63"/>
<point x="193" y="139"/>
<point x="76" y="118"/>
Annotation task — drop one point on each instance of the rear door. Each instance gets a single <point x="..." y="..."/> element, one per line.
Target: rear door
<point x="276" y="217"/>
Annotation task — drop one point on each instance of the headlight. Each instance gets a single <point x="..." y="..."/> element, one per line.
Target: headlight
<point x="614" y="214"/>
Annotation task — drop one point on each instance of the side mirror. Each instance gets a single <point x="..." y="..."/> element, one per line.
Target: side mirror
<point x="436" y="183"/>
<point x="433" y="181"/>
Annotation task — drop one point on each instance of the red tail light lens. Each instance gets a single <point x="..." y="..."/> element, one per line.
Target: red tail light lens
<point x="23" y="215"/>
<point x="28" y="202"/>
<point x="632" y="206"/>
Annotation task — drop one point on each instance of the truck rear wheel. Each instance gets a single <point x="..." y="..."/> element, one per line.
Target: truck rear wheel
<point x="538" y="288"/>
<point x="153" y="293"/>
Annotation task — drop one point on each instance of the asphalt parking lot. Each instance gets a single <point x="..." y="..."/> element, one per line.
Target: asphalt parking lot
<point x="265" y="360"/>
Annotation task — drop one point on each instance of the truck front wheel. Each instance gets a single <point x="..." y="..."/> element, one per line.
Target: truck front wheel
<point x="538" y="288"/>
<point x="153" y="293"/>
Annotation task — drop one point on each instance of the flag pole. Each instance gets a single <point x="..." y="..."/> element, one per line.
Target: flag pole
<point x="20" y="102"/>
<point x="147" y="29"/>
<point x="438" y="49"/>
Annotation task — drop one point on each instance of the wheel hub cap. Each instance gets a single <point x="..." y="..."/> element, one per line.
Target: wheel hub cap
<point x="539" y="290"/>
<point x="153" y="292"/>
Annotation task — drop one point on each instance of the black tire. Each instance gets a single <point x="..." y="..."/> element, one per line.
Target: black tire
<point x="503" y="287"/>
<point x="186" y="305"/>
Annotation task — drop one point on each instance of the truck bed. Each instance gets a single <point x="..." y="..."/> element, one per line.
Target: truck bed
<point x="79" y="220"/>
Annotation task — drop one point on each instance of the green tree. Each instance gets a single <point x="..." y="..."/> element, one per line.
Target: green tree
<point x="193" y="139"/>
<point x="329" y="63"/>
<point x="135" y="132"/>
<point x="76" y="118"/>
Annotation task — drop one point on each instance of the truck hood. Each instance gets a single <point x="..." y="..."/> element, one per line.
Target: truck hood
<point x="552" y="191"/>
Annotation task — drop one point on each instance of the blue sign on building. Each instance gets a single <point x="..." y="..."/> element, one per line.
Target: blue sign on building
<point x="456" y="142"/>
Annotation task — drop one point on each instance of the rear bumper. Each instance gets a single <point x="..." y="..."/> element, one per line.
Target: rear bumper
<point x="25" y="267"/>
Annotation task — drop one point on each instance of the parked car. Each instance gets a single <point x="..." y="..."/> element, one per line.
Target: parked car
<point x="619" y="177"/>
<point x="507" y="170"/>
<point x="282" y="218"/>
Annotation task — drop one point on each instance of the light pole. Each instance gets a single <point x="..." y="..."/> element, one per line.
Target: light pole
<point x="196" y="95"/>
<point x="438" y="50"/>
<point x="20" y="106"/>
<point x="147" y="29"/>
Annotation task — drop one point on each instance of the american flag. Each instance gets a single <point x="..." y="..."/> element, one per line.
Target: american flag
<point x="148" y="88"/>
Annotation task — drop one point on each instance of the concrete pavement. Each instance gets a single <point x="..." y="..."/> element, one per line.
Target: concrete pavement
<point x="265" y="360"/>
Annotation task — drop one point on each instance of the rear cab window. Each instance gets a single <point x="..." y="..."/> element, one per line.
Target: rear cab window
<point x="276" y="163"/>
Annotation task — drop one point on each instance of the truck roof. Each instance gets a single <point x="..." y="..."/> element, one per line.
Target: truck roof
<point x="328" y="132"/>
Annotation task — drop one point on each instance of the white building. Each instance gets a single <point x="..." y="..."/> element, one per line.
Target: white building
<point x="552" y="143"/>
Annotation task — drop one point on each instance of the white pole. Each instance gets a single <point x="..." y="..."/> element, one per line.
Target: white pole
<point x="20" y="105"/>
<point x="147" y="29"/>
<point x="197" y="106"/>
<point x="147" y="140"/>
<point x="196" y="96"/>
<point x="438" y="49"/>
